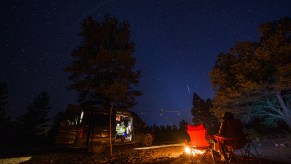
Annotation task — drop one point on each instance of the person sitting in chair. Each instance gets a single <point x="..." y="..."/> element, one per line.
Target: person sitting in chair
<point x="232" y="133"/>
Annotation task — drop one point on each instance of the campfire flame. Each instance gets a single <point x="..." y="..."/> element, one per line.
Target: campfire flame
<point x="193" y="151"/>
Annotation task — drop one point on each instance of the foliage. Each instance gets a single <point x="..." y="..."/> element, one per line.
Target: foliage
<point x="170" y="133"/>
<point x="33" y="123"/>
<point x="103" y="67"/>
<point x="201" y="114"/>
<point x="253" y="79"/>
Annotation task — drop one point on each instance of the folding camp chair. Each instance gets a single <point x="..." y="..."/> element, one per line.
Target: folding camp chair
<point x="237" y="141"/>
<point x="198" y="147"/>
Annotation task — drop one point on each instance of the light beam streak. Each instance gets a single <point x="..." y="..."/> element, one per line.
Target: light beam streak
<point x="188" y="89"/>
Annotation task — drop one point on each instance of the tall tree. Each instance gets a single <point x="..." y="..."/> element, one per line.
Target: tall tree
<point x="103" y="68"/>
<point x="253" y="80"/>
<point x="201" y="114"/>
<point x="34" y="121"/>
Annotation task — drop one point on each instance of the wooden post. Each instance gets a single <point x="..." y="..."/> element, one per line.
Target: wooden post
<point x="110" y="128"/>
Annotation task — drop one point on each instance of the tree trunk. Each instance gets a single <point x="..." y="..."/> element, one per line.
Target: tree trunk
<point x="110" y="129"/>
<point x="89" y="129"/>
<point x="285" y="110"/>
<point x="281" y="102"/>
<point x="289" y="123"/>
<point x="288" y="118"/>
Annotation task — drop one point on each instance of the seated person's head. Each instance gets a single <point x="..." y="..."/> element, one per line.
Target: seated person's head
<point x="227" y="116"/>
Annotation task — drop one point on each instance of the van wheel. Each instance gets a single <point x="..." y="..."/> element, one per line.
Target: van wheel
<point x="148" y="140"/>
<point x="97" y="148"/>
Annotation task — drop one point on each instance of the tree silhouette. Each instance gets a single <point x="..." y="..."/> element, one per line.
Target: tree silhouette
<point x="103" y="67"/>
<point x="201" y="114"/>
<point x="253" y="80"/>
<point x="170" y="133"/>
<point x="34" y="121"/>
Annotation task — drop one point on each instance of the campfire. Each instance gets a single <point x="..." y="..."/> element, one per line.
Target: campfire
<point x="193" y="151"/>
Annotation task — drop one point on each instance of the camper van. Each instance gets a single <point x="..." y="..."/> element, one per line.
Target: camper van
<point x="91" y="128"/>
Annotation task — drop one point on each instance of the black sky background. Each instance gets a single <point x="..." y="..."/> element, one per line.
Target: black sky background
<point x="177" y="42"/>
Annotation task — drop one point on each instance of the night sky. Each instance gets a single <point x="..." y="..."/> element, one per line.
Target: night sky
<point x="177" y="42"/>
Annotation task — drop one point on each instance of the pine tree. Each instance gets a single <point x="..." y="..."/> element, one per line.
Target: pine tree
<point x="34" y="121"/>
<point x="201" y="114"/>
<point x="103" y="67"/>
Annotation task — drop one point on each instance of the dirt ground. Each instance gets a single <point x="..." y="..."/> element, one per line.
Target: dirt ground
<point x="271" y="151"/>
<point x="275" y="149"/>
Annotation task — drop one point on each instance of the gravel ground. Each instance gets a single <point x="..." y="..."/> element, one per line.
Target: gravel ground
<point x="272" y="151"/>
<point x="275" y="149"/>
<point x="121" y="154"/>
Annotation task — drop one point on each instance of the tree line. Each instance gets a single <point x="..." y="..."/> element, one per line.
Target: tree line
<point x="30" y="129"/>
<point x="170" y="133"/>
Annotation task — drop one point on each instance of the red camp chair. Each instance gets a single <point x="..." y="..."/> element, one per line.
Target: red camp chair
<point x="198" y="147"/>
<point x="236" y="140"/>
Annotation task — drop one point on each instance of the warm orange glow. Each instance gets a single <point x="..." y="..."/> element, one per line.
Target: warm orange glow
<point x="187" y="149"/>
<point x="194" y="152"/>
